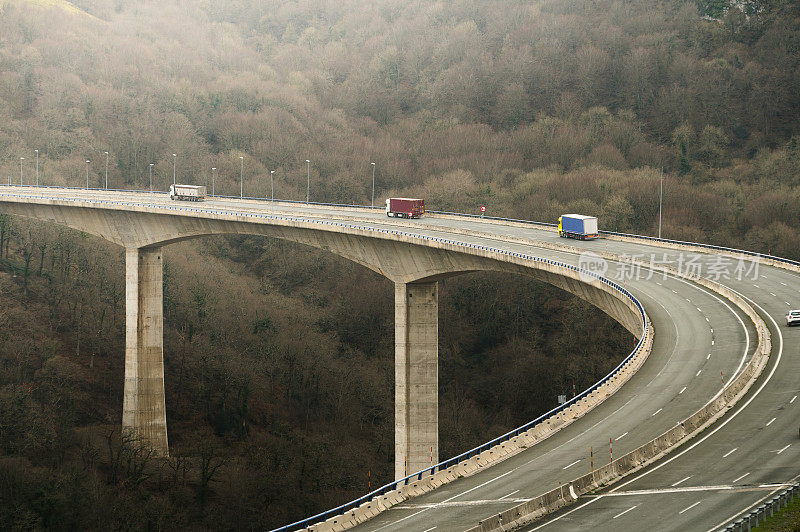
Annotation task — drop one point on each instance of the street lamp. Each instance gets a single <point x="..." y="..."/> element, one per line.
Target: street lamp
<point x="106" y="170"/>
<point x="272" y="185"/>
<point x="174" y="161"/>
<point x="20" y="169"/>
<point x="87" y="173"/>
<point x="151" y="178"/>
<point x="660" y="199"/>
<point x="241" y="177"/>
<point x="37" y="167"/>
<point x="373" y="184"/>
<point x="308" y="181"/>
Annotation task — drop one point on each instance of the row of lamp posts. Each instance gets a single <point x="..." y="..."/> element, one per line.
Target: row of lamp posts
<point x="213" y="176"/>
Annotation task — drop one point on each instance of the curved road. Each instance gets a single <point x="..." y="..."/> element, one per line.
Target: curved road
<point x="700" y="341"/>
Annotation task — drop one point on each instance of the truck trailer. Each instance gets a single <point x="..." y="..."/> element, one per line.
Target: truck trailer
<point x="577" y="226"/>
<point x="405" y="207"/>
<point x="187" y="192"/>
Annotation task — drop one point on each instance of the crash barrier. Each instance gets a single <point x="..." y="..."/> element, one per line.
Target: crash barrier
<point x="766" y="510"/>
<point x="658" y="447"/>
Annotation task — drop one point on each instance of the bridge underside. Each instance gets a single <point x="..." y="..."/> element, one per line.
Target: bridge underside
<point x="415" y="265"/>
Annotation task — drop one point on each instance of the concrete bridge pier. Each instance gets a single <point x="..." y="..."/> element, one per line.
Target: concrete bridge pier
<point x="144" y="414"/>
<point x="416" y="377"/>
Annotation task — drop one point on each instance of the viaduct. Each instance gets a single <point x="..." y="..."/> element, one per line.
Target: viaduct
<point x="415" y="255"/>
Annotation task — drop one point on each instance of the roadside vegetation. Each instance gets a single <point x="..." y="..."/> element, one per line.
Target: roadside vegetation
<point x="279" y="357"/>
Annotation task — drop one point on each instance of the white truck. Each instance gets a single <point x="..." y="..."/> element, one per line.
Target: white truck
<point x="187" y="192"/>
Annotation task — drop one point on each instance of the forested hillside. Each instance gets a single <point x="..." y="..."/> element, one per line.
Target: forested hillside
<point x="279" y="357"/>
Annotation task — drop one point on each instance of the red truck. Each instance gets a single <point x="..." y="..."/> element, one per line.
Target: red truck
<point x="405" y="207"/>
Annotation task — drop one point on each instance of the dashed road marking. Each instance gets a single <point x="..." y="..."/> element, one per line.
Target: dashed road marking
<point x="682" y="481"/>
<point x="656" y="412"/>
<point x="689" y="508"/>
<point x="793" y="398"/>
<point x="623" y="513"/>
<point x="770" y="421"/>
<point x="740" y="478"/>
<point x="730" y="452"/>
<point x="699" y="371"/>
<point x="780" y="451"/>
<point x="509" y="495"/>
<point x="572" y="464"/>
<point x="682" y="390"/>
<point x="621" y="436"/>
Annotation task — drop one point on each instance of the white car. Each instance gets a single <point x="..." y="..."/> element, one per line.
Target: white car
<point x="792" y="317"/>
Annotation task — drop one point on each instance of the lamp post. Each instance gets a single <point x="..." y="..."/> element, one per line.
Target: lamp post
<point x="87" y="173"/>
<point x="660" y="199"/>
<point x="106" y="170"/>
<point x="373" y="184"/>
<point x="37" y="167"/>
<point x="272" y="186"/>
<point x="308" y="181"/>
<point x="174" y="162"/>
<point x="241" y="177"/>
<point x="151" y="178"/>
<point x="20" y="169"/>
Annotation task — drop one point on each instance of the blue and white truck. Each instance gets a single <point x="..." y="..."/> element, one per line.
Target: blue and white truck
<point x="577" y="226"/>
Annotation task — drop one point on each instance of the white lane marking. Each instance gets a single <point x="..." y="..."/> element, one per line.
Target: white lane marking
<point x="757" y="286"/>
<point x="621" y="436"/>
<point x="689" y="300"/>
<point x="712" y="342"/>
<point x="793" y="398"/>
<point x="682" y="390"/>
<point x="773" y="294"/>
<point x="674" y="292"/>
<point x="689" y="508"/>
<point x="709" y="356"/>
<point x="730" y="452"/>
<point x="779" y="452"/>
<point x="788" y="303"/>
<point x="656" y="412"/>
<point x="450" y="499"/>
<point x="712" y="331"/>
<point x="681" y="481"/>
<point x="623" y="513"/>
<point x="740" y="478"/>
<point x="698" y="308"/>
<point x="708" y="320"/>
<point x="509" y="495"/>
<point x="659" y="284"/>
<point x="572" y="464"/>
<point x="770" y="421"/>
<point x="572" y="492"/>
<point x="429" y="530"/>
<point x="699" y="371"/>
<point x="784" y="284"/>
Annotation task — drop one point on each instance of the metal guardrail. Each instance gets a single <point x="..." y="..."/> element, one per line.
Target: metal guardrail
<point x="765" y="511"/>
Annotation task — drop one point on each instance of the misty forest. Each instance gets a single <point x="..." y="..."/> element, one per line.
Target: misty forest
<point x="279" y="357"/>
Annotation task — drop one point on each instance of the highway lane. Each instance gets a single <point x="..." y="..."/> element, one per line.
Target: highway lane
<point x="679" y="377"/>
<point x="734" y="467"/>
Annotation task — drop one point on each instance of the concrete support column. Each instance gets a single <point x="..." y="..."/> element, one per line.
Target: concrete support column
<point x="416" y="403"/>
<point x="144" y="413"/>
